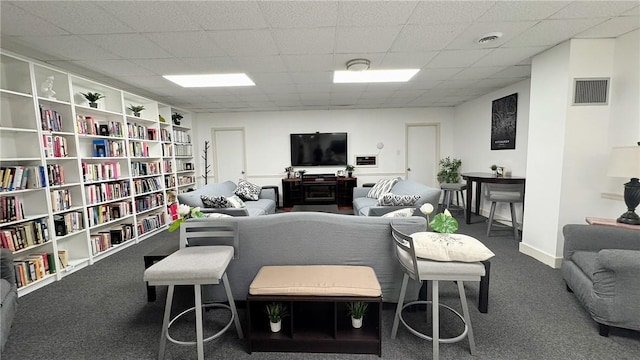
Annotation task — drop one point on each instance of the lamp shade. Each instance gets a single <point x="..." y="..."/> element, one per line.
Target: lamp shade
<point x="624" y="162"/>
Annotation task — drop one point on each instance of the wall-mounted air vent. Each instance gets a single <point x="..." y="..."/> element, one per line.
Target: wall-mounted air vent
<point x="591" y="91"/>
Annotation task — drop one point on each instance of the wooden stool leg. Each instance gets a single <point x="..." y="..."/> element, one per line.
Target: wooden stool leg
<point x="199" y="333"/>
<point x="165" y="322"/>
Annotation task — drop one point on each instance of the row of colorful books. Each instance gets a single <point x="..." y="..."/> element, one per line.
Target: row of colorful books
<point x="68" y="223"/>
<point x="87" y="125"/>
<point x="145" y="168"/>
<point x="146" y="185"/>
<point x="104" y="213"/>
<point x="33" y="268"/>
<point x="147" y="202"/>
<point x="11" y="209"/>
<point x="136" y="131"/>
<point x="55" y="146"/>
<point x="51" y="120"/>
<point x="101" y="171"/>
<point x="21" y="177"/>
<point x="98" y="193"/>
<point x="108" y="148"/>
<point x="56" y="174"/>
<point x="25" y="235"/>
<point x="61" y="199"/>
<point x="151" y="223"/>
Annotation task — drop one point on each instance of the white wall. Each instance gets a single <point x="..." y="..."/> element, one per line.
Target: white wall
<point x="472" y="140"/>
<point x="267" y="137"/>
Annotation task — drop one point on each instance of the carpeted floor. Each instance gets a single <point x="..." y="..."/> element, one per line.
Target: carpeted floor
<point x="102" y="312"/>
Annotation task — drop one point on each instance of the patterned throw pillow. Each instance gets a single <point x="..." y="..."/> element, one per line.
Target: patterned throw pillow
<point x="381" y="187"/>
<point x="236" y="202"/>
<point x="390" y="199"/>
<point x="215" y="202"/>
<point x="247" y="191"/>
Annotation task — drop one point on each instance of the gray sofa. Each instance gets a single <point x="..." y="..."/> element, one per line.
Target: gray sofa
<point x="314" y="238"/>
<point x="366" y="206"/>
<point x="9" y="293"/>
<point x="266" y="204"/>
<point x="601" y="266"/>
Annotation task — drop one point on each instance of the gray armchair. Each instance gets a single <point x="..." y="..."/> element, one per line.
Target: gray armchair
<point x="601" y="266"/>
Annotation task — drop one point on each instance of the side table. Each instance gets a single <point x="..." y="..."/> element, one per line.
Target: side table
<point x="275" y="188"/>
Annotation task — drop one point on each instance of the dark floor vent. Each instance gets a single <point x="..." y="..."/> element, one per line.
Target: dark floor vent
<point x="591" y="91"/>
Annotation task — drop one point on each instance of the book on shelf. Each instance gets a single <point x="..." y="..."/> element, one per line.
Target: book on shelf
<point x="100" y="148"/>
<point x="63" y="257"/>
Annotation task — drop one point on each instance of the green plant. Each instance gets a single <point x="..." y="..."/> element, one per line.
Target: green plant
<point x="276" y="311"/>
<point x="176" y="116"/>
<point x="92" y="97"/>
<point x="357" y="309"/>
<point x="136" y="108"/>
<point x="185" y="212"/>
<point x="494" y="167"/>
<point x="449" y="170"/>
<point x="444" y="223"/>
<point x="349" y="168"/>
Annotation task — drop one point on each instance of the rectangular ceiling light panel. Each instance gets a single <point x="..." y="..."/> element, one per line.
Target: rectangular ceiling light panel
<point x="210" y="80"/>
<point x="374" y="76"/>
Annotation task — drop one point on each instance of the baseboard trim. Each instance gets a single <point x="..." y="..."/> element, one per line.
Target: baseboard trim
<point x="541" y="256"/>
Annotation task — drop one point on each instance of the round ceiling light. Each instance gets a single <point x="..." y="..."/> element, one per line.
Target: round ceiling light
<point x="358" y="64"/>
<point x="489" y="37"/>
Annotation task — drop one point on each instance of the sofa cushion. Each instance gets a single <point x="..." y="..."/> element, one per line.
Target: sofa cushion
<point x="586" y="261"/>
<point x="400" y="213"/>
<point x="236" y="202"/>
<point x="390" y="199"/>
<point x="449" y="247"/>
<point x="381" y="187"/>
<point x="247" y="190"/>
<point x="215" y="201"/>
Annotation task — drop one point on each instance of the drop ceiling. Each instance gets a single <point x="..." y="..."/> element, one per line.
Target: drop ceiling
<point x="291" y="48"/>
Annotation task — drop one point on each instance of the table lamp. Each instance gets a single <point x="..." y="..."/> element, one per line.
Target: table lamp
<point x="625" y="162"/>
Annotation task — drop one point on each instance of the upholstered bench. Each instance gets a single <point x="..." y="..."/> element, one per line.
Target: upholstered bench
<point x="317" y="299"/>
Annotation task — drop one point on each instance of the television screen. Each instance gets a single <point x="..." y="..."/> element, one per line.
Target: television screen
<point x="319" y="149"/>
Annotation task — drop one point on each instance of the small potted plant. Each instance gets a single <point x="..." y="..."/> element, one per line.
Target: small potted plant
<point x="494" y="169"/>
<point x="176" y="117"/>
<point x="449" y="170"/>
<point x="276" y="311"/>
<point x="290" y="172"/>
<point x="357" y="309"/>
<point x="349" y="169"/>
<point x="92" y="98"/>
<point x="301" y="172"/>
<point x="135" y="109"/>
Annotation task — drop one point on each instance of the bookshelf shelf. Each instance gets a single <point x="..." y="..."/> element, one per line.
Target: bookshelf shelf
<point x="40" y="104"/>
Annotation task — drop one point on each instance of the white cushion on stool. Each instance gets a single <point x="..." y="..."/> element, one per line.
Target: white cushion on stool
<point x="190" y="266"/>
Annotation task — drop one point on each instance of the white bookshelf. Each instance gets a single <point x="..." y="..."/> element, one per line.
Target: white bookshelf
<point x="106" y="173"/>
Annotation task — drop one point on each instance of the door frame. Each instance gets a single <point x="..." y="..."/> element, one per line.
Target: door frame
<point x="215" y="153"/>
<point x="436" y="160"/>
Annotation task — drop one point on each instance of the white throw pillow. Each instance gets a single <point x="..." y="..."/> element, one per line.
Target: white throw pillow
<point x="400" y="213"/>
<point x="381" y="187"/>
<point x="449" y="247"/>
<point x="236" y="202"/>
<point x="218" y="215"/>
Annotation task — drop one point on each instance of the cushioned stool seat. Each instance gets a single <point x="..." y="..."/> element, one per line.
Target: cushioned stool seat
<point x="193" y="266"/>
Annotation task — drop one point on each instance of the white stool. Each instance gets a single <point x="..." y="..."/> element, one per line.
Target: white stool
<point x="449" y="189"/>
<point x="434" y="271"/>
<point x="195" y="266"/>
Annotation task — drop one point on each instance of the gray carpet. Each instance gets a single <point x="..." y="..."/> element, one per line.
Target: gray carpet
<point x="101" y="312"/>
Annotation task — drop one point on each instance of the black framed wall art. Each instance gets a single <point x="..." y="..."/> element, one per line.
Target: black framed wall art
<point x="503" y="122"/>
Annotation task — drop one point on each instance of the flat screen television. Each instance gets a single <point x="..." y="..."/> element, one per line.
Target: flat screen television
<point x="319" y="149"/>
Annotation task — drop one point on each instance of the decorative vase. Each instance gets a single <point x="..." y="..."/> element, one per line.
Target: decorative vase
<point x="136" y="114"/>
<point x="93" y="105"/>
<point x="350" y="174"/>
<point x="356" y="323"/>
<point x="275" y="326"/>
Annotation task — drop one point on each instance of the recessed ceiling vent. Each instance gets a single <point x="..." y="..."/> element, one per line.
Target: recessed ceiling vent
<point x="592" y="91"/>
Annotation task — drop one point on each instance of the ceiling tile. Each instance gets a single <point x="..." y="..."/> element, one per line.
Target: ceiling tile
<point x="245" y="42"/>
<point x="456" y="84"/>
<point x="477" y="72"/>
<point x="552" y="32"/>
<point x="146" y="16"/>
<point x="274" y="79"/>
<point x="519" y="71"/>
<point x="225" y="15"/>
<point x="116" y="68"/>
<point x="16" y="21"/>
<point x="374" y="13"/>
<point x="365" y="39"/>
<point x="469" y="38"/>
<point x="162" y="66"/>
<point x="186" y="44"/>
<point x="585" y="9"/>
<point x="131" y="46"/>
<point x="456" y="58"/>
<point x="211" y="65"/>
<point x="427" y="74"/>
<point x="522" y="10"/>
<point x="302" y="63"/>
<point x="509" y="56"/>
<point x="407" y="60"/>
<point x="302" y="14"/>
<point x="68" y="47"/>
<point x="427" y="37"/>
<point x="612" y="28"/>
<point x="312" y="77"/>
<point x="448" y="12"/>
<point x="261" y="64"/>
<point x="305" y="41"/>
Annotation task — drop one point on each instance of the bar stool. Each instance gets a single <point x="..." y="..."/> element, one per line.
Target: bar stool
<point x="449" y="188"/>
<point x="506" y="193"/>
<point x="195" y="266"/>
<point x="433" y="272"/>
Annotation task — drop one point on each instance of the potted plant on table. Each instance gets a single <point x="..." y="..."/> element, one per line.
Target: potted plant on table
<point x="92" y="98"/>
<point x="449" y="170"/>
<point x="135" y="109"/>
<point x="275" y="312"/>
<point x="349" y="169"/>
<point x="357" y="309"/>
<point x="494" y="169"/>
